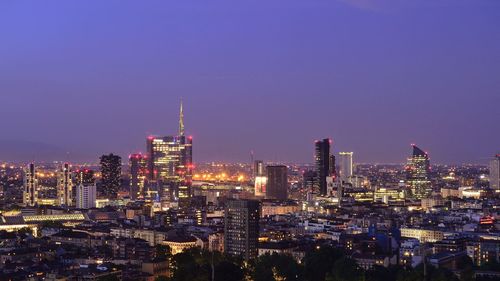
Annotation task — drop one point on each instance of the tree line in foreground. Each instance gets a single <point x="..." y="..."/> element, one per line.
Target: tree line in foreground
<point x="322" y="264"/>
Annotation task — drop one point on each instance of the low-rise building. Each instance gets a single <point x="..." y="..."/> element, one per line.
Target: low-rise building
<point x="410" y="253"/>
<point x="423" y="235"/>
<point x="180" y="243"/>
<point x="483" y="251"/>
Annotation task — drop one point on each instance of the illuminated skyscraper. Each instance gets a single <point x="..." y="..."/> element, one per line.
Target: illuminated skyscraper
<point x="138" y="172"/>
<point x="417" y="174"/>
<point x="495" y="172"/>
<point x="322" y="165"/>
<point x="345" y="165"/>
<point x="277" y="182"/>
<point x="86" y="196"/>
<point x="171" y="163"/>
<point x="241" y="228"/>
<point x="64" y="186"/>
<point x="30" y="193"/>
<point x="111" y="171"/>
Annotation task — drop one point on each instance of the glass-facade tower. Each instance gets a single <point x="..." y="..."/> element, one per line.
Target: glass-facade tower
<point x="417" y="174"/>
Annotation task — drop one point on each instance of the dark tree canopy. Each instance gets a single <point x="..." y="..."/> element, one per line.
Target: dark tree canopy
<point x="321" y="264"/>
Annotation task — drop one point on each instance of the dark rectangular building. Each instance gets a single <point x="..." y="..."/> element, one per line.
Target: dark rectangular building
<point x="111" y="172"/>
<point x="241" y="228"/>
<point x="322" y="165"/>
<point x="277" y="182"/>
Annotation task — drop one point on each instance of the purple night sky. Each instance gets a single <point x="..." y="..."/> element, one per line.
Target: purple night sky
<point x="93" y="77"/>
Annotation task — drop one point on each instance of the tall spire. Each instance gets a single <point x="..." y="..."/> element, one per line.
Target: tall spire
<point x="181" y="121"/>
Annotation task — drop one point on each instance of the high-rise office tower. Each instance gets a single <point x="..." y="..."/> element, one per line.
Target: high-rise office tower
<point x="170" y="163"/>
<point x="241" y="228"/>
<point x="322" y="165"/>
<point x="64" y="186"/>
<point x="111" y="172"/>
<point x="30" y="193"/>
<point x="138" y="172"/>
<point x="83" y="176"/>
<point x="495" y="172"/>
<point x="345" y="165"/>
<point x="417" y="174"/>
<point x="86" y="196"/>
<point x="277" y="182"/>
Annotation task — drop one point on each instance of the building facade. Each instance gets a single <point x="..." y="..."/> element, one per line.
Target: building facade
<point x="241" y="228"/>
<point x="277" y="182"/>
<point x="422" y="235"/>
<point x="259" y="168"/>
<point x="86" y="196"/>
<point x="417" y="174"/>
<point x="83" y="176"/>
<point x="345" y="165"/>
<point x="260" y="186"/>
<point x="30" y="192"/>
<point x="170" y="165"/>
<point x="138" y="173"/>
<point x="111" y="171"/>
<point x="322" y="165"/>
<point x="64" y="186"/>
<point x="495" y="172"/>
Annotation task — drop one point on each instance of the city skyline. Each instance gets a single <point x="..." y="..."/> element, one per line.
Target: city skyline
<point x="67" y="158"/>
<point x="319" y="140"/>
<point x="94" y="81"/>
<point x="57" y="155"/>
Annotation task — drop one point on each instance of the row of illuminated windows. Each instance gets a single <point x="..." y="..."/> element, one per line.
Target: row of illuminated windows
<point x="54" y="217"/>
